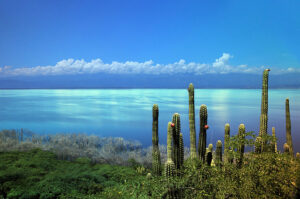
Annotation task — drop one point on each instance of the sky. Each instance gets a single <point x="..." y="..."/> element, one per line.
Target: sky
<point x="57" y="43"/>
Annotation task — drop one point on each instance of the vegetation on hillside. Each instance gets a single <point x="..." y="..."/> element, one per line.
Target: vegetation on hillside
<point x="39" y="174"/>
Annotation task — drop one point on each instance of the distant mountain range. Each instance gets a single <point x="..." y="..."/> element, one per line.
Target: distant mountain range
<point x="245" y="81"/>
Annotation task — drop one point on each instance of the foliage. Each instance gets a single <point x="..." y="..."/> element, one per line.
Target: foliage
<point x="38" y="174"/>
<point x="266" y="175"/>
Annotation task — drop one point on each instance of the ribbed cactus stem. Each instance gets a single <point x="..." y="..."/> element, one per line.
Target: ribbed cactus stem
<point x="219" y="153"/>
<point x="274" y="142"/>
<point x="169" y="141"/>
<point x="263" y="119"/>
<point x="202" y="134"/>
<point x="181" y="148"/>
<point x="192" y="121"/>
<point x="264" y="109"/>
<point x="155" y="113"/>
<point x="226" y="143"/>
<point x="156" y="162"/>
<point x="209" y="154"/>
<point x="176" y="137"/>
<point x="169" y="165"/>
<point x="288" y="126"/>
<point x="286" y="148"/>
<point x="241" y="147"/>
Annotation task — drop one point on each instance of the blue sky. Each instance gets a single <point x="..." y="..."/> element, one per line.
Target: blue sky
<point x="52" y="38"/>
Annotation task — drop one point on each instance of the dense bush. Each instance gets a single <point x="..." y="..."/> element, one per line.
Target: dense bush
<point x="262" y="176"/>
<point x="38" y="174"/>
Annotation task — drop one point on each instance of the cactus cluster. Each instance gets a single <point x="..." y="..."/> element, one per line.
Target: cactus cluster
<point x="156" y="162"/>
<point x="175" y="144"/>
<point x="202" y="133"/>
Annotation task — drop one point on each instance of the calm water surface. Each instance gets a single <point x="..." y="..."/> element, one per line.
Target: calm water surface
<point x="128" y="113"/>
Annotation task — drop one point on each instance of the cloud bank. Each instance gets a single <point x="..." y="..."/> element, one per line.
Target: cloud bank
<point x="71" y="66"/>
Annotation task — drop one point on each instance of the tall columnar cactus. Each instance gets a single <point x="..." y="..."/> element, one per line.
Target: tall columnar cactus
<point x="263" y="129"/>
<point x="192" y="122"/>
<point x="286" y="148"/>
<point x="176" y="137"/>
<point x="156" y="162"/>
<point x="169" y="165"/>
<point x="155" y="113"/>
<point x="288" y="126"/>
<point x="202" y="134"/>
<point x="241" y="147"/>
<point x="274" y="142"/>
<point x="181" y="149"/>
<point x="219" y="153"/>
<point x="209" y="154"/>
<point x="226" y="143"/>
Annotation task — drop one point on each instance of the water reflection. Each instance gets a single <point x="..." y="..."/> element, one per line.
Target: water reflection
<point x="128" y="113"/>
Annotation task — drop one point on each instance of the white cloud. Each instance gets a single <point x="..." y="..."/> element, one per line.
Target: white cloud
<point x="221" y="62"/>
<point x="71" y="66"/>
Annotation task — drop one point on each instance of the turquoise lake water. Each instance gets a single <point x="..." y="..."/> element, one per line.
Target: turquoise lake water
<point x="128" y="112"/>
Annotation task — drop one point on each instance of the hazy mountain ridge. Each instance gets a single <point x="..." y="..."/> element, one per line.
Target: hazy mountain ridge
<point x="245" y="81"/>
